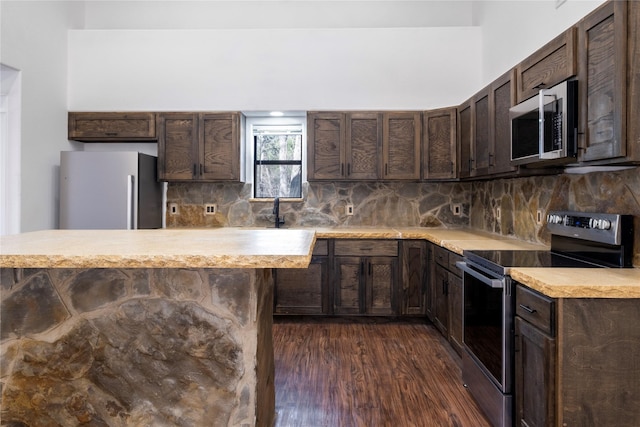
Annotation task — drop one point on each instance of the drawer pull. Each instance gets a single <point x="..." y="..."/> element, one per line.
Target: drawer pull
<point x="527" y="308"/>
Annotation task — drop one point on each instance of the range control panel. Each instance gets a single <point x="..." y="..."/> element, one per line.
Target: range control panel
<point x="599" y="227"/>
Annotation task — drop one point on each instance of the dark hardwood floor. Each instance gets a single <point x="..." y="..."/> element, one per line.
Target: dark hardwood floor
<point x="371" y="372"/>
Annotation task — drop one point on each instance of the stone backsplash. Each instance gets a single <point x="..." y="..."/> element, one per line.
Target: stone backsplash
<point x="392" y="204"/>
<point x="519" y="200"/>
<point x="397" y="204"/>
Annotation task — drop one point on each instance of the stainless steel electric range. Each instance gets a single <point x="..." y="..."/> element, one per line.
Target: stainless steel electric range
<point x="578" y="240"/>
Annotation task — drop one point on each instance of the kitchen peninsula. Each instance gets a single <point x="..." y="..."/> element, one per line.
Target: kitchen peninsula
<point x="141" y="327"/>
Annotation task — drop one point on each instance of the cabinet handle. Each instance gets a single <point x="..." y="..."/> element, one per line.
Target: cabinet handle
<point x="362" y="268"/>
<point x="341" y="169"/>
<point x="111" y="133"/>
<point x="491" y="159"/>
<point x="201" y="169"/>
<point x="528" y="309"/>
<point x="445" y="287"/>
<point x="348" y="169"/>
<point x="370" y="270"/>
<point x="195" y="171"/>
<point x="386" y="169"/>
<point x="451" y="168"/>
<point x="470" y="164"/>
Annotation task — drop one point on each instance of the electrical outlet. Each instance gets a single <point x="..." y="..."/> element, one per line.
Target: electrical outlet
<point x="539" y="216"/>
<point x="348" y="209"/>
<point x="498" y="213"/>
<point x="456" y="208"/>
<point x="173" y="209"/>
<point x="210" y="209"/>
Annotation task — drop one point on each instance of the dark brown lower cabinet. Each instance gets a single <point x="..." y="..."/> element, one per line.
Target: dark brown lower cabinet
<point x="305" y="290"/>
<point x="455" y="311"/>
<point x="535" y="375"/>
<point x="576" y="361"/>
<point x="413" y="284"/>
<point x="440" y="295"/>
<point x="365" y="285"/>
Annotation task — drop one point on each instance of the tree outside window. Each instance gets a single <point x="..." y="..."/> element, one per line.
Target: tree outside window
<point x="278" y="161"/>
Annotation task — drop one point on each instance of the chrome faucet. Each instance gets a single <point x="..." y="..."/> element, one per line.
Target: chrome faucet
<point x="276" y="212"/>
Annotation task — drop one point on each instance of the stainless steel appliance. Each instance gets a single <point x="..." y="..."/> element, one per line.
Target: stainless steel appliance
<point x="544" y="128"/>
<point x="109" y="190"/>
<point x="577" y="240"/>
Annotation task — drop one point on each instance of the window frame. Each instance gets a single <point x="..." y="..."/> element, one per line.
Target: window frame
<point x="252" y="120"/>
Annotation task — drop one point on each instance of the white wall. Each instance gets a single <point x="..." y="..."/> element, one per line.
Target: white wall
<point x="34" y="41"/>
<point x="512" y="30"/>
<point x="252" y="14"/>
<point x="262" y="69"/>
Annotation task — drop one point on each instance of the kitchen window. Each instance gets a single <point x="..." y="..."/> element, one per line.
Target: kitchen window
<point x="277" y="157"/>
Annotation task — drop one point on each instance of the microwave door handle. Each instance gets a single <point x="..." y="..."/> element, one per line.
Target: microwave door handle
<point x="494" y="283"/>
<point x="542" y="154"/>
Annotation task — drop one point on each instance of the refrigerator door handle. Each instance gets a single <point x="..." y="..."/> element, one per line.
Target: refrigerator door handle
<point x="130" y="202"/>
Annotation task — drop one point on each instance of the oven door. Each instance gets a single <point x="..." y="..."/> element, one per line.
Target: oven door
<point x="488" y="324"/>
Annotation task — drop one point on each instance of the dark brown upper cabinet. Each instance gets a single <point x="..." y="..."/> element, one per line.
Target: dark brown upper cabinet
<point x="112" y="127"/>
<point x="401" y="145"/>
<point x="326" y="146"/>
<point x="199" y="146"/>
<point x="465" y="138"/>
<point x="439" y="149"/>
<point x="364" y="134"/>
<point x="502" y="96"/>
<point x="553" y="63"/>
<point x="609" y="84"/>
<point x="363" y="145"/>
<point x="480" y="145"/>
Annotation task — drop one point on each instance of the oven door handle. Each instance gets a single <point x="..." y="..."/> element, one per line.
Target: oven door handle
<point x="494" y="283"/>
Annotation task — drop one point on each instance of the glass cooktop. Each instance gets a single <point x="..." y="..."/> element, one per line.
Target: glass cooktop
<point x="503" y="260"/>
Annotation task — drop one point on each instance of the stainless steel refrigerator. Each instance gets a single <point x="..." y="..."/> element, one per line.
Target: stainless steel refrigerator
<point x="109" y="190"/>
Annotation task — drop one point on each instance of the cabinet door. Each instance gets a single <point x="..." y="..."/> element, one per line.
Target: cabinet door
<point x="603" y="82"/>
<point x="441" y="303"/>
<point x="465" y="129"/>
<point x="326" y="146"/>
<point x="535" y="376"/>
<point x="401" y="145"/>
<point x="548" y="66"/>
<point x="440" y="142"/>
<point x="112" y="127"/>
<point x="380" y="282"/>
<point x="480" y="137"/>
<point x="414" y="277"/>
<point x="302" y="290"/>
<point x="219" y="158"/>
<point x="178" y="146"/>
<point x="364" y="135"/>
<point x="348" y="273"/>
<point x="455" y="311"/>
<point x="503" y="97"/>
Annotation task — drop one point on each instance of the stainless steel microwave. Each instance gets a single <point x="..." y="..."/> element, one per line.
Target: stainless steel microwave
<point x="544" y="128"/>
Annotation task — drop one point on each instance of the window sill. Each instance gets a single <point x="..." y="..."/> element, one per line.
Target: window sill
<point x="282" y="199"/>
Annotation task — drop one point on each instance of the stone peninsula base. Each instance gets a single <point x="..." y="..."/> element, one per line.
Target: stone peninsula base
<point x="133" y="347"/>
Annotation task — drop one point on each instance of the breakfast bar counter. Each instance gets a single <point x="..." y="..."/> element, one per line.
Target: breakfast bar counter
<point x="141" y="327"/>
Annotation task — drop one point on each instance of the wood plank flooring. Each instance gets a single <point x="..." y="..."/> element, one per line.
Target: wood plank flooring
<point x="371" y="372"/>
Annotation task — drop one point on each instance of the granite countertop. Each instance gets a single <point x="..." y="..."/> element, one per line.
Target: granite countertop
<point x="166" y="248"/>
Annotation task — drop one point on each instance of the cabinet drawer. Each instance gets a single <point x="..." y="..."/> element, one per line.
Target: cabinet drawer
<point x="321" y="248"/>
<point x="108" y="126"/>
<point x="441" y="256"/>
<point x="553" y="63"/>
<point x="535" y="309"/>
<point x="366" y="248"/>
<point x="453" y="258"/>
